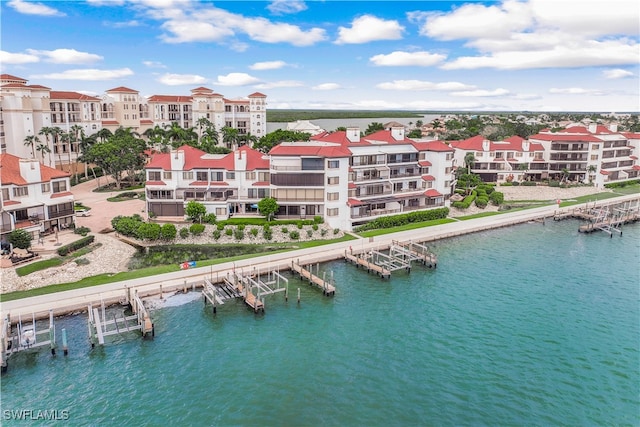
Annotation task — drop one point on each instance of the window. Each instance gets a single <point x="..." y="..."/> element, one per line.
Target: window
<point x="518" y="154"/>
<point x="216" y="176"/>
<point x="595" y="147"/>
<point x="187" y="175"/>
<point x="479" y="153"/>
<point x="333" y="180"/>
<point x="263" y="176"/>
<point x="201" y="176"/>
<point x="59" y="186"/>
<point x="46" y="187"/>
<point x="20" y="191"/>
<point x="153" y="176"/>
<point x="221" y="211"/>
<point x="333" y="212"/>
<point x="333" y="196"/>
<point x="5" y="194"/>
<point x="231" y="175"/>
<point x="166" y="175"/>
<point x="594" y="157"/>
<point x="250" y="176"/>
<point x="333" y="164"/>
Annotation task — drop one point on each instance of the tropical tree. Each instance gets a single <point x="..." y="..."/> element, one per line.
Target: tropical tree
<point x="20" y="238"/>
<point x="419" y="123"/>
<point x="373" y="127"/>
<point x="178" y="136"/>
<point x="32" y="140"/>
<point x="195" y="211"/>
<point x="42" y="149"/>
<point x="565" y="175"/>
<point x="103" y="134"/>
<point x="592" y="171"/>
<point x="230" y="136"/>
<point x="248" y="139"/>
<point x="202" y="124"/>
<point x="525" y="168"/>
<point x="120" y="153"/>
<point x="469" y="159"/>
<point x="55" y="133"/>
<point x="157" y="138"/>
<point x="270" y="140"/>
<point x="268" y="207"/>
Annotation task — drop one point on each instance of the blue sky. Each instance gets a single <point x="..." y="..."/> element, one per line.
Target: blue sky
<point x="536" y="55"/>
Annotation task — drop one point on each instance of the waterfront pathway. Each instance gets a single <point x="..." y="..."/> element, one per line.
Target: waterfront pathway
<point x="78" y="299"/>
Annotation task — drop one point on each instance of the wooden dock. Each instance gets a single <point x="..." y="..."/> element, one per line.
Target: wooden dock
<point x="252" y="287"/>
<point x="413" y="251"/>
<point x="608" y="218"/>
<point x="361" y="261"/>
<point x="327" y="287"/>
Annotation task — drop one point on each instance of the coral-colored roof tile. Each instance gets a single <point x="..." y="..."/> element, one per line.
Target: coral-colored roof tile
<point x="10" y="171"/>
<point x="432" y="193"/>
<point x="62" y="194"/>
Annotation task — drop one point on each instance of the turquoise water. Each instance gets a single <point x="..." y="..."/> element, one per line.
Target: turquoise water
<point x="527" y="325"/>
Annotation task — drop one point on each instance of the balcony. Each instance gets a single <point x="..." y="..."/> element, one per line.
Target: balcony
<point x="569" y="147"/>
<point x="298" y="168"/>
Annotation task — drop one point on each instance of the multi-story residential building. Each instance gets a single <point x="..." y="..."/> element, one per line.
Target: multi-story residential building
<point x="597" y="155"/>
<point x="497" y="161"/>
<point x="121" y="107"/>
<point x="224" y="183"/>
<point x="341" y="176"/>
<point x="34" y="197"/>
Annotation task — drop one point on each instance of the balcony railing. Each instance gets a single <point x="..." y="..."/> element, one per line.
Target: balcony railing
<point x="298" y="168"/>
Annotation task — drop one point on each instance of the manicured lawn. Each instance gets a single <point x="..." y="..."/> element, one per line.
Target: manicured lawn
<point x="412" y="226"/>
<point x="102" y="279"/>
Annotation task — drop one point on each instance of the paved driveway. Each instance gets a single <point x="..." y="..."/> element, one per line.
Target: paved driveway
<point x="102" y="211"/>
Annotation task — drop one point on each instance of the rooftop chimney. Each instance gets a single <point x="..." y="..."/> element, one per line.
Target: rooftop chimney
<point x="353" y="134"/>
<point x="593" y="127"/>
<point x="397" y="133"/>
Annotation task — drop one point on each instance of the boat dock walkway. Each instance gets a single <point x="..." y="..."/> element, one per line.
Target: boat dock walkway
<point x="360" y="261"/>
<point x="413" y="251"/>
<point x="27" y="336"/>
<point x="328" y="288"/>
<point x="608" y="217"/>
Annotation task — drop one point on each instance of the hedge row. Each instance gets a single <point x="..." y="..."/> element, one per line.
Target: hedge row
<point x="71" y="247"/>
<point x="464" y="204"/>
<point x="403" y="219"/>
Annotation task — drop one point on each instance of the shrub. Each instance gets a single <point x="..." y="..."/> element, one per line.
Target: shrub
<point x="127" y="225"/>
<point x="285" y="230"/>
<point x="168" y="232"/>
<point x="506" y="184"/>
<point x="196" y="229"/>
<point x="497" y="198"/>
<point x="216" y="234"/>
<point x="82" y="261"/>
<point x="254" y="232"/>
<point x="315" y="227"/>
<point x="515" y="183"/>
<point x="184" y="232"/>
<point x="83" y="231"/>
<point x="148" y="231"/>
<point x="323" y="232"/>
<point x="336" y="231"/>
<point x="241" y="227"/>
<point x="238" y="234"/>
<point x="317" y="219"/>
<point x="554" y="183"/>
<point x="228" y="232"/>
<point x="267" y="233"/>
<point x="294" y="235"/>
<point x="74" y="246"/>
<point x="482" y="202"/>
<point x="20" y="238"/>
<point x="416" y="216"/>
<point x="299" y="225"/>
<point x="209" y="218"/>
<point x="528" y="183"/>
<point x="220" y="226"/>
<point x="309" y="233"/>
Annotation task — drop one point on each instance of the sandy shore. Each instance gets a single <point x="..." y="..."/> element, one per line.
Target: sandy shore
<point x="113" y="255"/>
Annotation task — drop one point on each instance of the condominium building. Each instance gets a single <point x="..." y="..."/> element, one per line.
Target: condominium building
<point x="597" y="155"/>
<point x="26" y="109"/>
<point x="343" y="177"/>
<point x="34" y="197"/>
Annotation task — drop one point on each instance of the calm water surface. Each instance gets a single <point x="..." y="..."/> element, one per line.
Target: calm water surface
<point x="527" y="325"/>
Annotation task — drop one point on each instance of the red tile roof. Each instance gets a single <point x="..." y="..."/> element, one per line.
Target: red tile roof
<point x="432" y="193"/>
<point x="255" y="158"/>
<point x="432" y="146"/>
<point x="560" y="137"/>
<point x="513" y="143"/>
<point x="428" y="177"/>
<point x="257" y="95"/>
<point x="62" y="194"/>
<point x="39" y="87"/>
<point x="10" y="171"/>
<point x="10" y="77"/>
<point x="198" y="159"/>
<point x="424" y="163"/>
<point x="156" y="183"/>
<point x="604" y="172"/>
<point x="122" y="89"/>
<point x="354" y="202"/>
<point x="310" y="149"/>
<point x="260" y="184"/>
<point x="631" y="135"/>
<point x="72" y="95"/>
<point x="110" y="122"/>
<point x="169" y="98"/>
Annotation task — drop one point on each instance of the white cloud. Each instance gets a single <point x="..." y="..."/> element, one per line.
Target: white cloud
<point x="280" y="7"/>
<point x="413" y="85"/>
<point x="106" y="2"/>
<point x="237" y="79"/>
<point x="267" y="65"/>
<point x="281" y="83"/>
<point x="87" y="74"/>
<point x="197" y="22"/>
<point x="444" y="105"/>
<point x="66" y="56"/>
<point x="369" y="28"/>
<point x="586" y="54"/>
<point x="154" y="64"/>
<point x="122" y="24"/>
<point x="326" y="86"/>
<point x="398" y="58"/>
<point x="32" y="8"/>
<point x="481" y="92"/>
<point x="181" y="79"/>
<point x="17" y="58"/>
<point x="538" y="33"/>
<point x="617" y="73"/>
<point x="576" y="91"/>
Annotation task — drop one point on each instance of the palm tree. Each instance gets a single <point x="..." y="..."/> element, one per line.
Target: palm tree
<point x="524" y="167"/>
<point x="31" y="140"/>
<point x="203" y="125"/>
<point x="248" y="139"/>
<point x="77" y="133"/>
<point x="83" y="146"/>
<point x="230" y="136"/>
<point x="65" y="139"/>
<point x="469" y="159"/>
<point x="592" y="171"/>
<point x="44" y="148"/>
<point x="56" y="134"/>
<point x="46" y="131"/>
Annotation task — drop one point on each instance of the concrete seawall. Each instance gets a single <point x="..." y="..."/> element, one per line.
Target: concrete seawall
<point x="79" y="299"/>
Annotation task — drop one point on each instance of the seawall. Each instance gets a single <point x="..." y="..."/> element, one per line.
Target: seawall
<point x="78" y="299"/>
